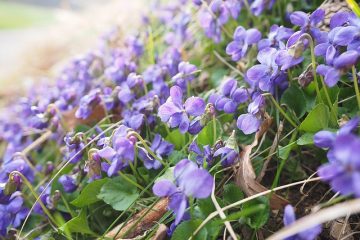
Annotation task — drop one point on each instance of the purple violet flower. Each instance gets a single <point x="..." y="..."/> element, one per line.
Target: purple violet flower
<point x="212" y="18"/>
<point x="204" y="155"/>
<point x="88" y="103"/>
<point x="309" y="234"/>
<point x="228" y="156"/>
<point x="185" y="75"/>
<point x="308" y="24"/>
<point x="12" y="211"/>
<point x="176" y="113"/>
<point x="242" y="40"/>
<point x="343" y="169"/>
<point x="230" y="98"/>
<point x="277" y="37"/>
<point x="190" y="181"/>
<point x="68" y="182"/>
<point x="250" y="122"/>
<point x="121" y="153"/>
<point x="267" y="74"/>
<point x="160" y="147"/>
<point x="74" y="146"/>
<point x="17" y="163"/>
<point x="258" y="6"/>
<point x="341" y="63"/>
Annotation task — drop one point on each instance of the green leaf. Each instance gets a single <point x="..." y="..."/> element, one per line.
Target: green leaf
<point x="294" y="169"/>
<point x="294" y="98"/>
<point x="285" y="151"/>
<point x="119" y="193"/>
<point x="245" y="212"/>
<point x="316" y="120"/>
<point x="206" y="206"/>
<point x="168" y="174"/>
<point x="333" y="94"/>
<point x="306" y="139"/>
<point x="186" y="228"/>
<point x="232" y="193"/>
<point x="78" y="224"/>
<point x="176" y="138"/>
<point x="176" y="156"/>
<point x="210" y="133"/>
<point x="89" y="194"/>
<point x="217" y="76"/>
<point x="333" y="106"/>
<point x="213" y="229"/>
<point x="261" y="217"/>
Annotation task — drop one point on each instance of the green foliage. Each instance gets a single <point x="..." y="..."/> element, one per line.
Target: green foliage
<point x="176" y="138"/>
<point x="78" y="224"/>
<point x="186" y="229"/>
<point x="176" y="156"/>
<point x="316" y="120"/>
<point x="285" y="151"/>
<point x="294" y="99"/>
<point x="232" y="193"/>
<point x="306" y="139"/>
<point x="210" y="133"/>
<point x="168" y="175"/>
<point x="206" y="206"/>
<point x="262" y="208"/>
<point x="89" y="194"/>
<point x="119" y="193"/>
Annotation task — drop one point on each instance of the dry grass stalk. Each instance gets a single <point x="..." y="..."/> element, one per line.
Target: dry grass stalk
<point x="322" y="216"/>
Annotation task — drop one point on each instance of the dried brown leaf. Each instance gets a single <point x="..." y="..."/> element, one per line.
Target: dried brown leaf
<point x="245" y="176"/>
<point x="148" y="218"/>
<point x="161" y="232"/>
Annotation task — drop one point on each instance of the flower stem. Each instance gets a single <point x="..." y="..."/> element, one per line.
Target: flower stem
<point x="67" y="205"/>
<point x="356" y="85"/>
<point x="313" y="62"/>
<point x="282" y="111"/>
<point x="28" y="184"/>
<point x="329" y="101"/>
<point x="37" y="142"/>
<point x="147" y="147"/>
<point x="354" y="6"/>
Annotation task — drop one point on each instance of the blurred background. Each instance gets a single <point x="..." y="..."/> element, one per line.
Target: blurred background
<point x="38" y="36"/>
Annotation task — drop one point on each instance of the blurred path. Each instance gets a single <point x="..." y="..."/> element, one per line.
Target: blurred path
<point x="27" y="53"/>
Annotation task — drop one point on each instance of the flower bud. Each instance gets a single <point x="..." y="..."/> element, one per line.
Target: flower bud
<point x="94" y="165"/>
<point x="297" y="49"/>
<point x="49" y="168"/>
<point x="231" y="142"/>
<point x="132" y="139"/>
<point x="12" y="184"/>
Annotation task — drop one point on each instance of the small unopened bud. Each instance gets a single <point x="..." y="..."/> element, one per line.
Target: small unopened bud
<point x="49" y="168"/>
<point x="12" y="184"/>
<point x="94" y="165"/>
<point x="132" y="139"/>
<point x="54" y="200"/>
<point x="297" y="49"/>
<point x="306" y="77"/>
<point x="210" y="109"/>
<point x="232" y="143"/>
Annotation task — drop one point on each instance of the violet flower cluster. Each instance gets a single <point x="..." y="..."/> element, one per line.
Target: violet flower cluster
<point x="343" y="169"/>
<point x="140" y="89"/>
<point x="177" y="113"/>
<point x="340" y="49"/>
